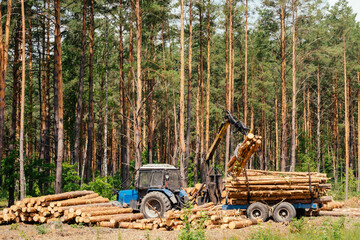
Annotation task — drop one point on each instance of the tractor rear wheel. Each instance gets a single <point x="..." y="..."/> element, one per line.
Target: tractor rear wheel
<point x="155" y="203"/>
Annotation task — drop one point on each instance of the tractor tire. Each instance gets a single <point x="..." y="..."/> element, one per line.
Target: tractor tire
<point x="159" y="201"/>
<point x="284" y="212"/>
<point x="258" y="210"/>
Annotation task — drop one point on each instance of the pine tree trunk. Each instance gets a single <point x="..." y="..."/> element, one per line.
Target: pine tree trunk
<point x="58" y="74"/>
<point x="202" y="157"/>
<point x="227" y="79"/>
<point x="123" y="108"/>
<point x="246" y="66"/>
<point x="293" y="109"/>
<point x="283" y="92"/>
<point x="347" y="124"/>
<point x="104" y="167"/>
<point x="207" y="118"/>
<point x="188" y="117"/>
<point x="182" y="92"/>
<point x="78" y="120"/>
<point x="318" y="127"/>
<point x="90" y="141"/>
<point x="31" y="91"/>
<point x="335" y="130"/>
<point x="4" y="47"/>
<point x="358" y="123"/>
<point x="137" y="130"/>
<point x="125" y="162"/>
<point x="276" y="129"/>
<point x="22" y="107"/>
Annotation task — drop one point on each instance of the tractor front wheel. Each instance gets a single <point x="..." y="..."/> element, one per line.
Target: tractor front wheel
<point x="155" y="203"/>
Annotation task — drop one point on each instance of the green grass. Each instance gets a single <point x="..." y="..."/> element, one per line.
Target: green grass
<point x="329" y="229"/>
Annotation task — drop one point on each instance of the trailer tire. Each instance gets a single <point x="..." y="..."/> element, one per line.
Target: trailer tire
<point x="158" y="201"/>
<point x="258" y="210"/>
<point x="284" y="212"/>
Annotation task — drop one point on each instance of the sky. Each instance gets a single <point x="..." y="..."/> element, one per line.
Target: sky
<point x="355" y="4"/>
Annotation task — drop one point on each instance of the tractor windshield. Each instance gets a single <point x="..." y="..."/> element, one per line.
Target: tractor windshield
<point x="174" y="179"/>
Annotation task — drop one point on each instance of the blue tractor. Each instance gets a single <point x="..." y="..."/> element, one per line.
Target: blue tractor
<point x="157" y="190"/>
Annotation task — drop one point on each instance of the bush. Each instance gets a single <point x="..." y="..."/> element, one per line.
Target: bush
<point x="103" y="186"/>
<point x="190" y="233"/>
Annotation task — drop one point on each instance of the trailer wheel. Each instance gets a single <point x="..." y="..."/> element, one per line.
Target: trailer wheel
<point x="284" y="212"/>
<point x="258" y="211"/>
<point x="158" y="201"/>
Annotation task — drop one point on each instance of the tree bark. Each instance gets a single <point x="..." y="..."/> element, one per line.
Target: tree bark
<point x="137" y="130"/>
<point x="104" y="167"/>
<point x="283" y="91"/>
<point x="31" y="91"/>
<point x="293" y="109"/>
<point x="4" y="48"/>
<point x="91" y="96"/>
<point x="208" y="62"/>
<point x="182" y="93"/>
<point x="22" y="107"/>
<point x="347" y="124"/>
<point x="318" y="115"/>
<point x="246" y="66"/>
<point x="188" y="120"/>
<point x="78" y="120"/>
<point x="358" y="123"/>
<point x="58" y="74"/>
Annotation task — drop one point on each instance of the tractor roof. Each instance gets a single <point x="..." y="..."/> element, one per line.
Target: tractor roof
<point x="157" y="166"/>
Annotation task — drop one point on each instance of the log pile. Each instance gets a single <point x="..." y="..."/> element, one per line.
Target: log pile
<point x="332" y="205"/>
<point x="243" y="153"/>
<point x="77" y="206"/>
<point x="195" y="192"/>
<point x="341" y="212"/>
<point x="272" y="187"/>
<point x="205" y="216"/>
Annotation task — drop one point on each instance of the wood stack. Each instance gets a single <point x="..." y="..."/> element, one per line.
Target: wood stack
<point x="78" y="206"/>
<point x="271" y="187"/>
<point x="195" y="192"/>
<point x="332" y="205"/>
<point x="243" y="152"/>
<point x="207" y="216"/>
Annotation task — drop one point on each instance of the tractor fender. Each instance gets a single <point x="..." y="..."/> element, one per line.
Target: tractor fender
<point x="167" y="193"/>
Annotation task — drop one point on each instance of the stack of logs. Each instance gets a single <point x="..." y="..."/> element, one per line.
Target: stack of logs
<point x="77" y="206"/>
<point x="332" y="205"/>
<point x="243" y="152"/>
<point x="195" y="192"/>
<point x="272" y="187"/>
<point x="207" y="216"/>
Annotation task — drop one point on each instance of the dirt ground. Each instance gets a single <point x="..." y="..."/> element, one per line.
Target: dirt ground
<point x="64" y="231"/>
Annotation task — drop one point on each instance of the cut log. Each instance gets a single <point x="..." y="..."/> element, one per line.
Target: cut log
<point x="62" y="196"/>
<point x="108" y="224"/>
<point x="126" y="217"/>
<point x="109" y="212"/>
<point x="240" y="224"/>
<point x="83" y="201"/>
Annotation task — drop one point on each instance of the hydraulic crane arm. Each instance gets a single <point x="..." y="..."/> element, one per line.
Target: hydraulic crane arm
<point x="228" y="120"/>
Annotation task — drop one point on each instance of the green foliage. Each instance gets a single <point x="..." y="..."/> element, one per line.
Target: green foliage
<point x="71" y="179"/>
<point x="265" y="234"/>
<point x="190" y="232"/>
<point x="42" y="229"/>
<point x="14" y="226"/>
<point x="297" y="225"/>
<point x="101" y="185"/>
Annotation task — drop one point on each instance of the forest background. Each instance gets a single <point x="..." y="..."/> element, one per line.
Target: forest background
<point x="91" y="90"/>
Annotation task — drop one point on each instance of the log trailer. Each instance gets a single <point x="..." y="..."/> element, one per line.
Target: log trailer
<point x="158" y="188"/>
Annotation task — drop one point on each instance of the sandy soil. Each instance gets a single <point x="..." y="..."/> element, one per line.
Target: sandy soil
<point x="60" y="231"/>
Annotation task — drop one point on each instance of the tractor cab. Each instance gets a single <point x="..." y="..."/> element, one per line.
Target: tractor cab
<point x="157" y="190"/>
